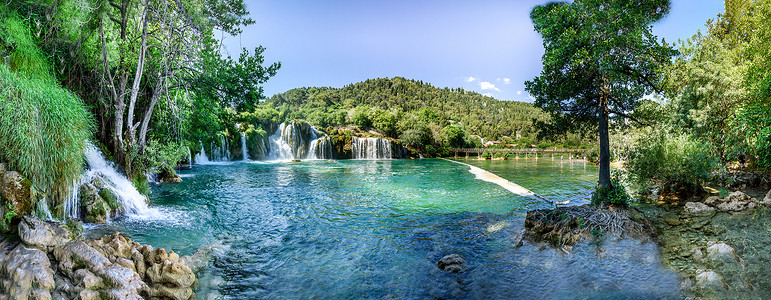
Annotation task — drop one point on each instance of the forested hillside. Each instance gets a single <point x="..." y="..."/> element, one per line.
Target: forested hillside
<point x="409" y="104"/>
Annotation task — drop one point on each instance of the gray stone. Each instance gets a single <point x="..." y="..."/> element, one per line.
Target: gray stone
<point x="698" y="209"/>
<point x="734" y="202"/>
<point x="26" y="274"/>
<point x="95" y="209"/>
<point x="713" y="200"/>
<point x="76" y="255"/>
<point x="451" y="263"/>
<point x="767" y="200"/>
<point x="18" y="191"/>
<point x="43" y="235"/>
<point x="707" y="279"/>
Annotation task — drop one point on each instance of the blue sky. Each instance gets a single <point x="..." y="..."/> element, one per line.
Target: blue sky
<point x="483" y="46"/>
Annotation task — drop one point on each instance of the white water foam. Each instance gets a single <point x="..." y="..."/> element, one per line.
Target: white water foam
<point x="370" y="148"/>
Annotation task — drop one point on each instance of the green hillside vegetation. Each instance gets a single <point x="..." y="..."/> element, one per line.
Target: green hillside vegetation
<point x="412" y="111"/>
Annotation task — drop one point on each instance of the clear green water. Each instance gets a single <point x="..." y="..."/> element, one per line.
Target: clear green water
<point x="375" y="229"/>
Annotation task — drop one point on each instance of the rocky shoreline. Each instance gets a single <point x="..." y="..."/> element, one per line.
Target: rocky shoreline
<point x="48" y="261"/>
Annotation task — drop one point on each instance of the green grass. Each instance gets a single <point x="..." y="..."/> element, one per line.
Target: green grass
<point x="43" y="131"/>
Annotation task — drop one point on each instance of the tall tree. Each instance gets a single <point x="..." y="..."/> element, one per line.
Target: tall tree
<point x="600" y="60"/>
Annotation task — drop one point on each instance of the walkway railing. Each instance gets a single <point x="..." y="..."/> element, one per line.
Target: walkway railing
<point x="479" y="151"/>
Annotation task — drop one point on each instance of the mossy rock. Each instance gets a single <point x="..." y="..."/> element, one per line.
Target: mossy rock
<point x="109" y="197"/>
<point x="95" y="209"/>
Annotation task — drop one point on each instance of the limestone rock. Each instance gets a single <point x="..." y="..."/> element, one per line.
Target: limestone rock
<point x="26" y="274"/>
<point x="95" y="208"/>
<point x="88" y="280"/>
<point x="734" y="202"/>
<point x="17" y="191"/>
<point x="451" y="263"/>
<point x="176" y="293"/>
<point x="713" y="200"/>
<point x="43" y="235"/>
<point x="709" y="279"/>
<point x="767" y="200"/>
<point x="76" y="255"/>
<point x="719" y="251"/>
<point x="171" y="273"/>
<point x="698" y="209"/>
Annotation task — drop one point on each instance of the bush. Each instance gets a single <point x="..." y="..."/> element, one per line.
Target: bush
<point x="487" y="155"/>
<point x="664" y="159"/>
<point x="614" y="194"/>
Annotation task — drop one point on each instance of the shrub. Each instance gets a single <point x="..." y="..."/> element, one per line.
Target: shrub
<point x="614" y="194"/>
<point x="487" y="155"/>
<point x="665" y="159"/>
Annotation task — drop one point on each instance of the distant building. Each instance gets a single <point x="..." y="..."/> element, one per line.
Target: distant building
<point x="492" y="143"/>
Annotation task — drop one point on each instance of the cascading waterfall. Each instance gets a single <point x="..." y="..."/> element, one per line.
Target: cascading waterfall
<point x="321" y="148"/>
<point x="370" y="148"/>
<point x="244" y="152"/>
<point x="221" y="152"/>
<point x="201" y="157"/>
<point x="131" y="201"/>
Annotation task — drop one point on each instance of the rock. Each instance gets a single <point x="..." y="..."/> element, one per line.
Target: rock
<point x="697" y="255"/>
<point x="123" y="279"/>
<point x="719" y="251"/>
<point x="88" y="280"/>
<point x="713" y="200"/>
<point x="709" y="279"/>
<point x="767" y="200"/>
<point x="698" y="209"/>
<point x="25" y="274"/>
<point x="451" y="263"/>
<point x="110" y="198"/>
<point x="43" y="235"/>
<point x="95" y="208"/>
<point x="672" y="221"/>
<point x="172" y="273"/>
<point x="76" y="255"/>
<point x="176" y="293"/>
<point x="734" y="202"/>
<point x="17" y="191"/>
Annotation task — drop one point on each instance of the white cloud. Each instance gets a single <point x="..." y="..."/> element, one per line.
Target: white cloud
<point x="488" y="86"/>
<point x="470" y="79"/>
<point x="506" y="80"/>
<point x="519" y="93"/>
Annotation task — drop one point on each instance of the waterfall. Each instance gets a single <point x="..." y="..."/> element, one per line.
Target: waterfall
<point x="220" y="152"/>
<point x="41" y="210"/>
<point x="131" y="201"/>
<point x="295" y="140"/>
<point x="72" y="206"/>
<point x="321" y="148"/>
<point x="370" y="148"/>
<point x="244" y="152"/>
<point x="201" y="158"/>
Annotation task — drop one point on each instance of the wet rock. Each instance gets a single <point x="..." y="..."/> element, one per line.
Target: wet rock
<point x="95" y="209"/>
<point x="88" y="280"/>
<point x="76" y="255"/>
<point x="713" y="200"/>
<point x="451" y="263"/>
<point x="697" y="255"/>
<point x="709" y="279"/>
<point x="734" y="202"/>
<point x="698" y="209"/>
<point x="43" y="235"/>
<point x="672" y="221"/>
<point x="719" y="251"/>
<point x="25" y="274"/>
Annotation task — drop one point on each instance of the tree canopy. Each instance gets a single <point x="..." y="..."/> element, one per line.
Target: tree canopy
<point x="600" y="60"/>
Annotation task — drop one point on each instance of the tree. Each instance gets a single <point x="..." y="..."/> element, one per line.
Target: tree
<point x="600" y="60"/>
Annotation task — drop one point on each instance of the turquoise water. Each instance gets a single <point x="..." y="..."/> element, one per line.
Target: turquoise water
<point x="374" y="229"/>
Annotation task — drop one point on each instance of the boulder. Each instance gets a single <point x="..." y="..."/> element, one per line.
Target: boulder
<point x="734" y="202"/>
<point x="43" y="235"/>
<point x="451" y="263"/>
<point x="713" y="200"/>
<point x="767" y="200"/>
<point x="698" y="209"/>
<point x="95" y="209"/>
<point x="25" y="274"/>
<point x="719" y="251"/>
<point x="76" y="255"/>
<point x="707" y="279"/>
<point x="171" y="273"/>
<point x="18" y="192"/>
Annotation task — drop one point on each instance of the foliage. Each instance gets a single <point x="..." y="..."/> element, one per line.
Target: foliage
<point x="600" y="59"/>
<point x="486" y="154"/>
<point x="670" y="159"/>
<point x="613" y="194"/>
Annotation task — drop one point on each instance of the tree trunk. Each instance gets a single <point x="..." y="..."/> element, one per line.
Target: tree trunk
<point x="157" y="93"/>
<point x="604" y="144"/>
<point x="137" y="78"/>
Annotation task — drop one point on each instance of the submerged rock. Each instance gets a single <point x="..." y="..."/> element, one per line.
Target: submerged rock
<point x="451" y="263"/>
<point x="719" y="251"/>
<point x="709" y="279"/>
<point x="698" y="209"/>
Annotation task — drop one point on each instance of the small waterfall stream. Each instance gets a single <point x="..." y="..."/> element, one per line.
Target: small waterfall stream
<point x="201" y="157"/>
<point x="320" y="148"/>
<point x="244" y="151"/>
<point x="370" y="148"/>
<point x="131" y="201"/>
